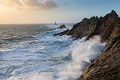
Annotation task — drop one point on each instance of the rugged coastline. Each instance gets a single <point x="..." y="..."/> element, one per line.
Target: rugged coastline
<point x="107" y="65"/>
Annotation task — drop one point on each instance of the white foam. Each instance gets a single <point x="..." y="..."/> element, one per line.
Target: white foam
<point x="81" y="51"/>
<point x="36" y="76"/>
<point x="56" y="27"/>
<point x="53" y="26"/>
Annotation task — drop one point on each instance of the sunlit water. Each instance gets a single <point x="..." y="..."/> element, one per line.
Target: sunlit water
<point x="48" y="57"/>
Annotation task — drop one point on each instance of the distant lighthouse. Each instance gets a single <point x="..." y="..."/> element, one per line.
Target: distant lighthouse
<point x="55" y="23"/>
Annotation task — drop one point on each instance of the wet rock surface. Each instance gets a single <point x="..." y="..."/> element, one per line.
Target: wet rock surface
<point x="107" y="65"/>
<point x="62" y="26"/>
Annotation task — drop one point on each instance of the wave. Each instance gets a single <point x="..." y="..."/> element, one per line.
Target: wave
<point x="50" y="57"/>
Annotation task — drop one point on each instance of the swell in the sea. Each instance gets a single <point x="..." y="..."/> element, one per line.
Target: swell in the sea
<point x="48" y="57"/>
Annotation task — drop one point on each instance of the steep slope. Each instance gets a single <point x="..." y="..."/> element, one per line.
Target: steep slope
<point x="102" y="26"/>
<point x="107" y="65"/>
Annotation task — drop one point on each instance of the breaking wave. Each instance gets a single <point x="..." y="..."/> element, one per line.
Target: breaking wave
<point x="49" y="57"/>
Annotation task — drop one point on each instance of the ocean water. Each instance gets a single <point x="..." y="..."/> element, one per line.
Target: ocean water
<point x="27" y="55"/>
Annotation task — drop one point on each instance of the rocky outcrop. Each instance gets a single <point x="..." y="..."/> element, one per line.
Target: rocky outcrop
<point x="62" y="26"/>
<point x="107" y="65"/>
<point x="94" y="26"/>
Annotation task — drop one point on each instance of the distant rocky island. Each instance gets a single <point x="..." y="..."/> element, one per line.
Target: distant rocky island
<point x="107" y="65"/>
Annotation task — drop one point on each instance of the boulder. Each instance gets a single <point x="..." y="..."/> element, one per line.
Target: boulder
<point x="62" y="26"/>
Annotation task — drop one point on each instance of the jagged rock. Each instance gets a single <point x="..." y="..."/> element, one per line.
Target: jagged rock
<point x="62" y="26"/>
<point x="94" y="26"/>
<point x="109" y="61"/>
<point x="107" y="65"/>
<point x="62" y="33"/>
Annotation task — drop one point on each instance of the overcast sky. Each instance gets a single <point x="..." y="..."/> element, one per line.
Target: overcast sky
<point x="50" y="11"/>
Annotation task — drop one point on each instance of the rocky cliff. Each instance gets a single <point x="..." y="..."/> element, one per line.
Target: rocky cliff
<point x="107" y="65"/>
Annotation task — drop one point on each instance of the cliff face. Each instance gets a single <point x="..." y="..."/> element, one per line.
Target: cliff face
<point x="102" y="26"/>
<point x="107" y="65"/>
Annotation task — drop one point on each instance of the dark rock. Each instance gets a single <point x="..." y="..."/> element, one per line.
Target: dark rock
<point x="109" y="61"/>
<point x="62" y="33"/>
<point x="107" y="65"/>
<point x="62" y="26"/>
<point x="102" y="26"/>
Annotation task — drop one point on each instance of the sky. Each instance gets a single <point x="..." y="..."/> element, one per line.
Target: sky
<point x="50" y="11"/>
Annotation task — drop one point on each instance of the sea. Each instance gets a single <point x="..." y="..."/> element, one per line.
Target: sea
<point x="32" y="52"/>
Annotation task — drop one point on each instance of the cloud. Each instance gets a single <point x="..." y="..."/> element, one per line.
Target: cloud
<point x="46" y="4"/>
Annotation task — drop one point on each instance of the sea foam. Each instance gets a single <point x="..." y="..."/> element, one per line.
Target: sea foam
<point x="82" y="52"/>
<point x="49" y="57"/>
<point x="77" y="56"/>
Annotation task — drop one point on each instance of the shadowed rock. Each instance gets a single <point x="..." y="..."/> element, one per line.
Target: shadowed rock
<point x="62" y="26"/>
<point x="107" y="65"/>
<point x="94" y="26"/>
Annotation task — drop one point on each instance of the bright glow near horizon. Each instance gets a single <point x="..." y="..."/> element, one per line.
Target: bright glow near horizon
<point x="50" y="11"/>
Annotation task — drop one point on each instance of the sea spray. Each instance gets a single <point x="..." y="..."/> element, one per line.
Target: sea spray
<point x="82" y="52"/>
<point x="75" y="58"/>
<point x="49" y="57"/>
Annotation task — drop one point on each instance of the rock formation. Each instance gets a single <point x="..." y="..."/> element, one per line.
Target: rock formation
<point x="107" y="65"/>
<point x="62" y="26"/>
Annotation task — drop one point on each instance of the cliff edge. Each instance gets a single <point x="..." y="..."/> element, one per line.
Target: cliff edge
<point x="107" y="65"/>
